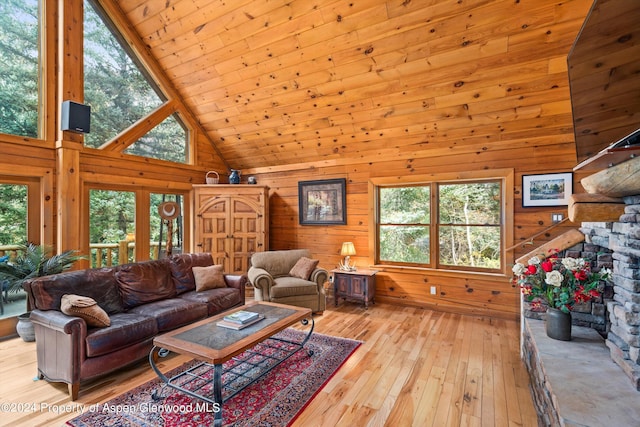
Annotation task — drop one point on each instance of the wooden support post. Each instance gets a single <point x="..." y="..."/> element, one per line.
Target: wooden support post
<point x="69" y="144"/>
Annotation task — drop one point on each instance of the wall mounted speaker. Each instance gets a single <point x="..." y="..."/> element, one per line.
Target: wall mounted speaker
<point x="75" y="117"/>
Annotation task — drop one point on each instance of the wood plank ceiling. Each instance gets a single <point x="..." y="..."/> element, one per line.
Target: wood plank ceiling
<point x="280" y="82"/>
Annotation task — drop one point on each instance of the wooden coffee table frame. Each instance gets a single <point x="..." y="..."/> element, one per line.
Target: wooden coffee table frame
<point x="191" y="381"/>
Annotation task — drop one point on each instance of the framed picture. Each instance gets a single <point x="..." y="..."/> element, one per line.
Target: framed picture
<point x="553" y="189"/>
<point x="322" y="202"/>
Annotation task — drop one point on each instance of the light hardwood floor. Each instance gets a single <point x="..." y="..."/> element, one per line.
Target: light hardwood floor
<point x="415" y="368"/>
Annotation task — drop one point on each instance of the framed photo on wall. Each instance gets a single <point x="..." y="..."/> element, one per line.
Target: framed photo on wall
<point x="322" y="202"/>
<point x="552" y="189"/>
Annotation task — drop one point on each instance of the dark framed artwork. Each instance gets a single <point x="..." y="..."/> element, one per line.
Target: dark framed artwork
<point x="552" y="189"/>
<point x="322" y="202"/>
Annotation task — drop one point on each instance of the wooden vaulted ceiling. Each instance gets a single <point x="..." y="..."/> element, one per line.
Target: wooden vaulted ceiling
<point x="281" y="82"/>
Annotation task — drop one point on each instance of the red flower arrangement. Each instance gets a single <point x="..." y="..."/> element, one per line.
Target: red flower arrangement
<point x="560" y="282"/>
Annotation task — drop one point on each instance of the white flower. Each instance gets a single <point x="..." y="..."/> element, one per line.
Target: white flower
<point x="572" y="264"/>
<point x="554" y="278"/>
<point x="518" y="269"/>
<point x="534" y="261"/>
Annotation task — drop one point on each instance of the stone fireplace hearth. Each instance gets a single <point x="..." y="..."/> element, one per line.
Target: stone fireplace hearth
<point x="575" y="383"/>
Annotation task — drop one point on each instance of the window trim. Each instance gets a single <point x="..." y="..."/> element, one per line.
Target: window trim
<point x="506" y="176"/>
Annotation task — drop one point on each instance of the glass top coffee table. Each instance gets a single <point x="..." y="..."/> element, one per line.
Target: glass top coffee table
<point x="251" y="352"/>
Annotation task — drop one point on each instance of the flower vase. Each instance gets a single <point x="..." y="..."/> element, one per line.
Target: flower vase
<point x="558" y="324"/>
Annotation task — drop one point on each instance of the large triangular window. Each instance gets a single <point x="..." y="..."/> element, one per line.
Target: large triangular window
<point x="121" y="93"/>
<point x="19" y="67"/>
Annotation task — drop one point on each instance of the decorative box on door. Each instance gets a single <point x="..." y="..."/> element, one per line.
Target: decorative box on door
<point x="231" y="222"/>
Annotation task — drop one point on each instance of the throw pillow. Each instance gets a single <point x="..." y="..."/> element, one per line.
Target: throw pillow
<point x="85" y="308"/>
<point x="210" y="277"/>
<point x="303" y="268"/>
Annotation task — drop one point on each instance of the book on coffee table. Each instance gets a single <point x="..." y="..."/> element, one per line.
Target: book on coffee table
<point x="237" y="326"/>
<point x="241" y="317"/>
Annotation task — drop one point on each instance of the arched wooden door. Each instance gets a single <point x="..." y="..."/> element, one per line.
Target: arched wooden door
<point x="231" y="223"/>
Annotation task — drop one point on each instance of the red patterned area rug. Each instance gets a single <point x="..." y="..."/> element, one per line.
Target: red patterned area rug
<point x="274" y="400"/>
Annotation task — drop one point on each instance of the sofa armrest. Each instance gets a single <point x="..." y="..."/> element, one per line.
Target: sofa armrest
<point x="60" y="347"/>
<point x="261" y="281"/>
<point x="320" y="276"/>
<point x="59" y="321"/>
<point x="238" y="282"/>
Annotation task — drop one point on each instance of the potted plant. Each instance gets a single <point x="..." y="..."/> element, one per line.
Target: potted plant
<point x="560" y="284"/>
<point x="32" y="261"/>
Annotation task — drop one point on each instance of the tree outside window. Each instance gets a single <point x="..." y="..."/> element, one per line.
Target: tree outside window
<point x="19" y="64"/>
<point x="441" y="225"/>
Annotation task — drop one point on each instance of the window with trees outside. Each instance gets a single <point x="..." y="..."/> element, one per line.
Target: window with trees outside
<point x="13" y="232"/>
<point x="449" y="225"/>
<point x="121" y="92"/>
<point x="19" y="67"/>
<point x="112" y="225"/>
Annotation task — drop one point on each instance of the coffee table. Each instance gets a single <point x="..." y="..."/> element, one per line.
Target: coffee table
<point x="213" y="345"/>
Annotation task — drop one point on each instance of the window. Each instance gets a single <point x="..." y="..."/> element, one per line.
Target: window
<point x="125" y="224"/>
<point x="469" y="218"/>
<point x="13" y="232"/>
<point x="111" y="227"/>
<point x="443" y="223"/>
<point x="167" y="141"/>
<point x="404" y="226"/>
<point x="13" y="215"/>
<point x="121" y="92"/>
<point x="19" y="65"/>
<point x="159" y="229"/>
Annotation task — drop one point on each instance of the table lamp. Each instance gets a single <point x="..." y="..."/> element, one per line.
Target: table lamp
<point x="347" y="250"/>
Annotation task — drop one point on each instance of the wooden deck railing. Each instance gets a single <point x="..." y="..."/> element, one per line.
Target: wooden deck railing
<point x="101" y="254"/>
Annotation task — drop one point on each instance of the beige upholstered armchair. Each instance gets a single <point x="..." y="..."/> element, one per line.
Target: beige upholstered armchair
<point x="288" y="277"/>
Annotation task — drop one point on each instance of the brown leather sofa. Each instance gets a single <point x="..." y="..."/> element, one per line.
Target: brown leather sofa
<point x="141" y="300"/>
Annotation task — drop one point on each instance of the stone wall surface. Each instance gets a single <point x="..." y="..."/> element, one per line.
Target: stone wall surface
<point x="623" y="306"/>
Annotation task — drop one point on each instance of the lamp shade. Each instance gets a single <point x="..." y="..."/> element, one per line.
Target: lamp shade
<point x="348" y="249"/>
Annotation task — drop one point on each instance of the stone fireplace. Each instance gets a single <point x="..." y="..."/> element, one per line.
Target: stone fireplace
<point x="622" y="238"/>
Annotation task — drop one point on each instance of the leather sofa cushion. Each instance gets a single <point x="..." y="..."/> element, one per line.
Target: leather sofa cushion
<point x="182" y="269"/>
<point x="172" y="313"/>
<point x="292" y="286"/>
<point x="126" y="329"/>
<point x="99" y="284"/>
<point x="144" y="282"/>
<point x="217" y="300"/>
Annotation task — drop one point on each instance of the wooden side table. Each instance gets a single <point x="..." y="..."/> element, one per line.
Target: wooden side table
<point x="358" y="285"/>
